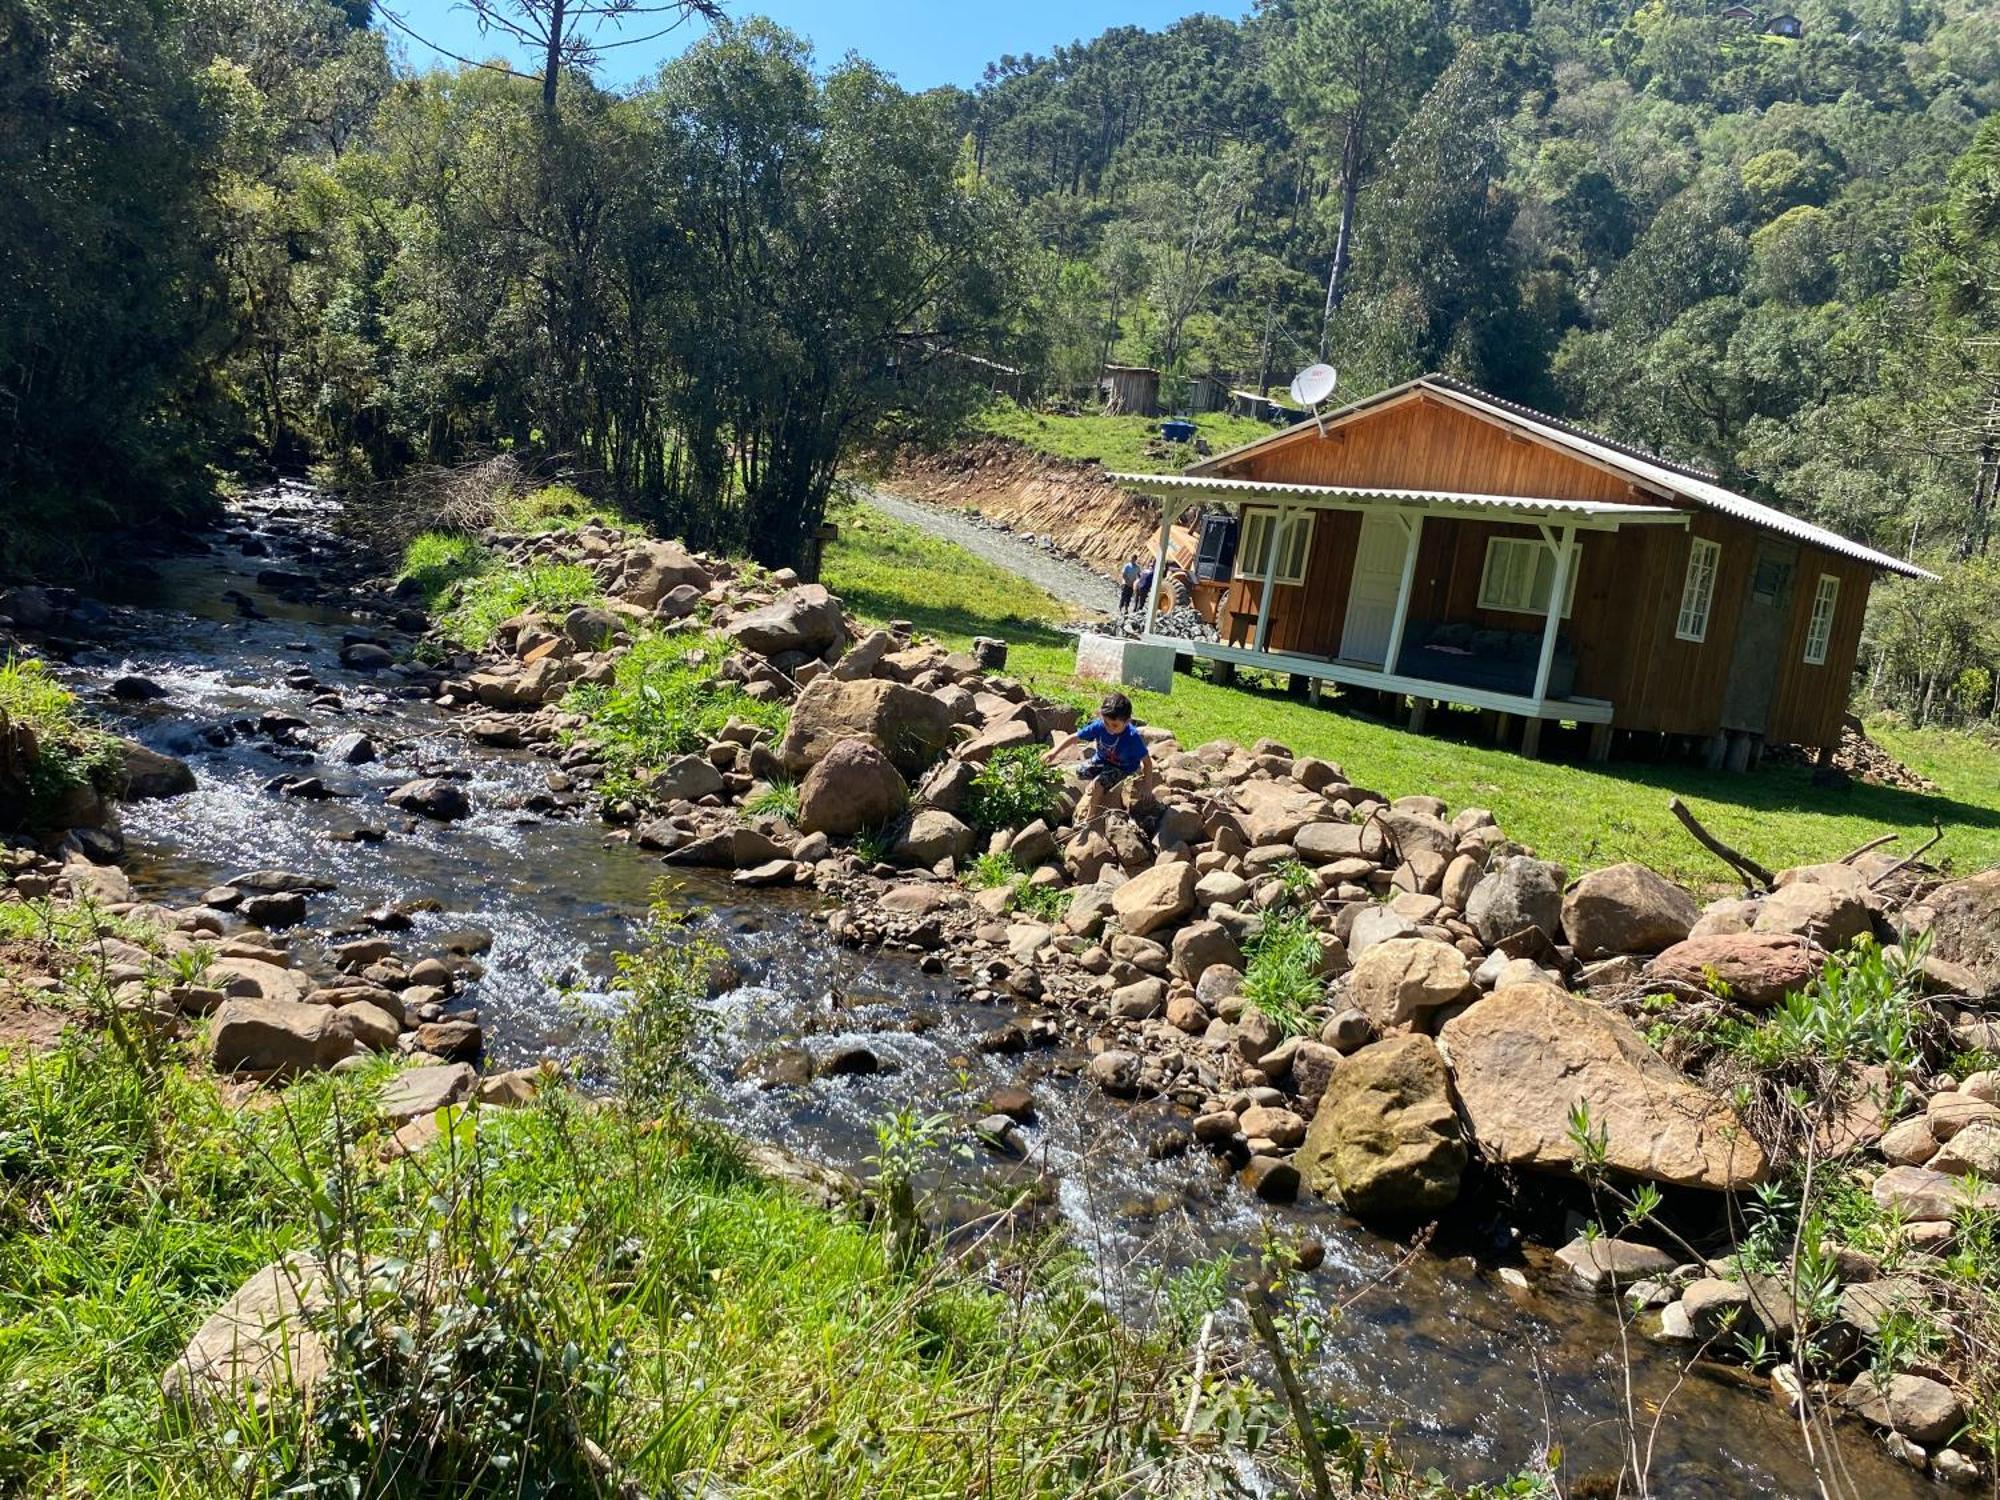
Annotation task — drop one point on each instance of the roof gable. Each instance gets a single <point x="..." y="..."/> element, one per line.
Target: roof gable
<point x="1641" y="474"/>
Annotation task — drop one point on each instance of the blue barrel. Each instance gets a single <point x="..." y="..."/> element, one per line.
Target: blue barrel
<point x="1178" y="430"/>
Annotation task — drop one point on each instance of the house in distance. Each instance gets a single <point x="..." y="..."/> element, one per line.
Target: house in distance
<point x="1438" y="544"/>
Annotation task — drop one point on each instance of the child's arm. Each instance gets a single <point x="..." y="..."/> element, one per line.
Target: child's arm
<point x="1072" y="738"/>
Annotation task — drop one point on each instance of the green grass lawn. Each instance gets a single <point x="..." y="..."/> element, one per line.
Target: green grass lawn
<point x="1116" y="442"/>
<point x="1583" y="815"/>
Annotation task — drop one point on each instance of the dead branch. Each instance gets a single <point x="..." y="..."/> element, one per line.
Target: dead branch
<point x="1875" y="843"/>
<point x="1257" y="1300"/>
<point x="1937" y="834"/>
<point x="1742" y="864"/>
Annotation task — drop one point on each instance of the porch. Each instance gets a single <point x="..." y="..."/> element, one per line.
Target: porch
<point x="1493" y="631"/>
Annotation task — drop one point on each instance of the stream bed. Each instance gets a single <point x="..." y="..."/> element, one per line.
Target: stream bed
<point x="1477" y="1377"/>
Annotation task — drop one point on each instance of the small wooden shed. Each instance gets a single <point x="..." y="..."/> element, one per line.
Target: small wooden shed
<point x="1130" y="390"/>
<point x="1445" y="545"/>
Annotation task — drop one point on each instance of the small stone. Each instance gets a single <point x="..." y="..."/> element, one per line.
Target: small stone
<point x="1599" y="1262"/>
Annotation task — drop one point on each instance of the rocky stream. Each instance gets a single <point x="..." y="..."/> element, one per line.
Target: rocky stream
<point x="1481" y="1350"/>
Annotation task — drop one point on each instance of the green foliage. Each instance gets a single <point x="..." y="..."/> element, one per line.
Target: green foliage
<point x="665" y="700"/>
<point x="1128" y="443"/>
<point x="1045" y="903"/>
<point x="1282" y="976"/>
<point x="1014" y="788"/>
<point x="778" y="799"/>
<point x="70" y="755"/>
<point x="664" y="982"/>
<point x="553" y="507"/>
<point x="544" y="1285"/>
<point x="1863" y="1007"/>
<point x="436" y="561"/>
<point x="490" y="597"/>
<point x="989" y="870"/>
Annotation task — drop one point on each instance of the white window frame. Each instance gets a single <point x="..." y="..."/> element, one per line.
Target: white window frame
<point x="1819" y="625"/>
<point x="1698" y="590"/>
<point x="1294" y="556"/>
<point x="1536" y="600"/>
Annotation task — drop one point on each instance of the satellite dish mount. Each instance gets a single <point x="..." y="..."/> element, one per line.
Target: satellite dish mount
<point x="1312" y="386"/>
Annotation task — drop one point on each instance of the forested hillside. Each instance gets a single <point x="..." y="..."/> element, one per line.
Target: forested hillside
<point x="1778" y="257"/>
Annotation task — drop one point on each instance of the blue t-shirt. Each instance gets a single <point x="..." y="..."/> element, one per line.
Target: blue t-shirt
<point x="1124" y="749"/>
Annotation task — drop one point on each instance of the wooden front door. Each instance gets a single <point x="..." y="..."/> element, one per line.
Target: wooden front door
<point x="1760" y="637"/>
<point x="1378" y="579"/>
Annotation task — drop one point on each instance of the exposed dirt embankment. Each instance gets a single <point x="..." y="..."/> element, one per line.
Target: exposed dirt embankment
<point x="1070" y="500"/>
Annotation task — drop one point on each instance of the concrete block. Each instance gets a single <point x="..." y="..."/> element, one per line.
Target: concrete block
<point x="1139" y="664"/>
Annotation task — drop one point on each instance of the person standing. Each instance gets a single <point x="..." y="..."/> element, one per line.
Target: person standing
<point x="1128" y="584"/>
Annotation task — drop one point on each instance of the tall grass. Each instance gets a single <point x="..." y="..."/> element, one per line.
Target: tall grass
<point x="553" y="507"/>
<point x="489" y="598"/>
<point x="438" y="560"/>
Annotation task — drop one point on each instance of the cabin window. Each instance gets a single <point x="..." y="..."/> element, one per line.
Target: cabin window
<point x="1519" y="574"/>
<point x="1253" y="548"/>
<point x="1819" y="629"/>
<point x="1698" y="590"/>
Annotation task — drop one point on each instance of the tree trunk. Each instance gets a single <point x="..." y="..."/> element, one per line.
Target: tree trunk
<point x="1350" y="186"/>
<point x="552" y="65"/>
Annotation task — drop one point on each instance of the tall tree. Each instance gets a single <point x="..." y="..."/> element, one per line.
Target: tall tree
<point x="1349" y="72"/>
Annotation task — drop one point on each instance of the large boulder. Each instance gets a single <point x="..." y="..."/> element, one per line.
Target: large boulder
<point x="419" y="1092"/>
<point x="804" y="620"/>
<point x="1963" y="919"/>
<point x="1829" y="915"/>
<point x="1384" y="1139"/>
<point x="1399" y="982"/>
<point x="261" y="1341"/>
<point x="251" y="1034"/>
<point x="1921" y="1409"/>
<point x="1274" y="811"/>
<point x="655" y="569"/>
<point x="909" y="727"/>
<point x="1155" y="898"/>
<point x="1626" y="909"/>
<point x="853" y="787"/>
<point x="1757" y="969"/>
<point x="930" y="837"/>
<point x="1527" y="1055"/>
<point x="148" y="774"/>
<point x="1517" y="893"/>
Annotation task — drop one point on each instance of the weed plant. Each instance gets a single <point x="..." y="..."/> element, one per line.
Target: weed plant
<point x="438" y="561"/>
<point x="1014" y="788"/>
<point x="666" y="699"/>
<point x="1282" y="976"/>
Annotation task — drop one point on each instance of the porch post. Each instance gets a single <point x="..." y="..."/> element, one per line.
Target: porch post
<point x="1414" y="528"/>
<point x="1277" y="535"/>
<point x="1168" y="513"/>
<point x="1557" y="588"/>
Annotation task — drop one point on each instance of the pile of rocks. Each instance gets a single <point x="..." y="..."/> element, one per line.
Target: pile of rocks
<point x="273" y="1013"/>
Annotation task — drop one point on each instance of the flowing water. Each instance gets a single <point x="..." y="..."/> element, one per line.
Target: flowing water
<point x="1476" y="1377"/>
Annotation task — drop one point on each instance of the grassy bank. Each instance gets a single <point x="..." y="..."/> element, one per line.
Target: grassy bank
<point x="601" y="1293"/>
<point x="1583" y="815"/>
<point x="66" y="757"/>
<point x="1128" y="443"/>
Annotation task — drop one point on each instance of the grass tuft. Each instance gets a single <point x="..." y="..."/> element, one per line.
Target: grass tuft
<point x="488" y="599"/>
<point x="436" y="561"/>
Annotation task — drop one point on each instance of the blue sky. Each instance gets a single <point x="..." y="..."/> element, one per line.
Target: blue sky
<point x="923" y="42"/>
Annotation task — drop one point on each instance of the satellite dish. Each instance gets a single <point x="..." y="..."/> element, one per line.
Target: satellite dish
<point x="1314" y="384"/>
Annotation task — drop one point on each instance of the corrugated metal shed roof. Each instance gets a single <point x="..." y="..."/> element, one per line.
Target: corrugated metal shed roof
<point x="1695" y="485"/>
<point x="1607" y="510"/>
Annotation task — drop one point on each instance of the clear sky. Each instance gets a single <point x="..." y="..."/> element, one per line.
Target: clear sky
<point x="923" y="42"/>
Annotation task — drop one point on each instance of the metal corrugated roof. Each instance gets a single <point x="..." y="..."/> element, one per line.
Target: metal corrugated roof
<point x="1683" y="480"/>
<point x="1609" y="510"/>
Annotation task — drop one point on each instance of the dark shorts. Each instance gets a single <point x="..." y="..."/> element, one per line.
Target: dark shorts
<point x="1102" y="771"/>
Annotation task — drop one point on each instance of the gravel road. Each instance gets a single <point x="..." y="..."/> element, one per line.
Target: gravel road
<point x="1070" y="582"/>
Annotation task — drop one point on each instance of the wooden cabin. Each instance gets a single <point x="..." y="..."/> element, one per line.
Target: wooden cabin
<point x="1785" y="25"/>
<point x="1442" y="545"/>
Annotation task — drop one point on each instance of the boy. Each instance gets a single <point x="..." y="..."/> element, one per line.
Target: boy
<point x="1117" y="752"/>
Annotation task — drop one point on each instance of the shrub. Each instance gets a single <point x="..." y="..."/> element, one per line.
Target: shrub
<point x="1283" y="975"/>
<point x="666" y="979"/>
<point x="665" y="700"/>
<point x="69" y="754"/>
<point x="1015" y="787"/>
<point x="487" y="599"/>
<point x="438" y="560"/>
